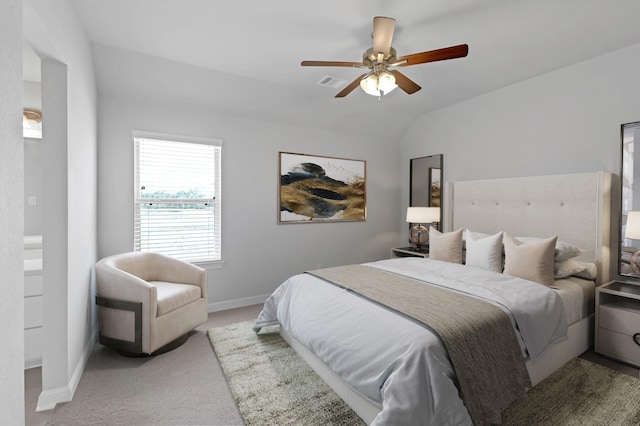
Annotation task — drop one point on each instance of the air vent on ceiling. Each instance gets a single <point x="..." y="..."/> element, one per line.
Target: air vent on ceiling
<point x="332" y="82"/>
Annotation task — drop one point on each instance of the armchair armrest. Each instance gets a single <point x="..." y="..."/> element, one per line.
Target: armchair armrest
<point x="136" y="308"/>
<point x="114" y="283"/>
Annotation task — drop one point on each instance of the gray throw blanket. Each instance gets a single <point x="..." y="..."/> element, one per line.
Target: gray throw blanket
<point x="479" y="338"/>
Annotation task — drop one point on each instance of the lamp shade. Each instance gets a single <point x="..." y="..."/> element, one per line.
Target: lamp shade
<point x="632" y="231"/>
<point x="423" y="214"/>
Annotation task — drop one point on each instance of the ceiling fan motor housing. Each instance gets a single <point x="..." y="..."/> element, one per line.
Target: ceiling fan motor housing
<point x="369" y="58"/>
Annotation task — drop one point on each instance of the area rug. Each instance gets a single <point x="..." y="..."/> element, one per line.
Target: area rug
<point x="581" y="393"/>
<point x="272" y="385"/>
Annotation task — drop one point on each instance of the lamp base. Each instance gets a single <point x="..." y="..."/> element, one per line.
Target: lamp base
<point x="419" y="235"/>
<point x="634" y="261"/>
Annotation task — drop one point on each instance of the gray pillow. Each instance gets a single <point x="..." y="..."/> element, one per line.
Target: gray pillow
<point x="445" y="246"/>
<point x="532" y="261"/>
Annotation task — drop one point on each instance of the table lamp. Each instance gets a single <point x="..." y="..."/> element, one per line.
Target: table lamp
<point x="632" y="232"/>
<point x="419" y="234"/>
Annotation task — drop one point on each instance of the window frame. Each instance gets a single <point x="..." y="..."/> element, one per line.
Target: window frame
<point x="217" y="201"/>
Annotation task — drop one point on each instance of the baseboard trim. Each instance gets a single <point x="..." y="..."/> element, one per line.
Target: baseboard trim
<point x="238" y="303"/>
<point x="49" y="398"/>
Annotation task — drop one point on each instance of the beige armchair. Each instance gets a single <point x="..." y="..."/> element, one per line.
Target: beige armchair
<point x="149" y="301"/>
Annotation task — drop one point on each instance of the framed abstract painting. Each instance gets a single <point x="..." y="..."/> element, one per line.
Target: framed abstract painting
<point x="316" y="189"/>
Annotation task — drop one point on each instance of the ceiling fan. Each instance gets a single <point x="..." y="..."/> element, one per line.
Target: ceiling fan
<point x="380" y="79"/>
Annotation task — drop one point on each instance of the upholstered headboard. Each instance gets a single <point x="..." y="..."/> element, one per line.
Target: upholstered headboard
<point x="575" y="207"/>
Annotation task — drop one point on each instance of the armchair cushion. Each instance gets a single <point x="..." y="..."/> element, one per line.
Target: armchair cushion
<point x="171" y="296"/>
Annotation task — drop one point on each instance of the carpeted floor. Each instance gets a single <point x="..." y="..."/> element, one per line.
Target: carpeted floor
<point x="273" y="386"/>
<point x="181" y="387"/>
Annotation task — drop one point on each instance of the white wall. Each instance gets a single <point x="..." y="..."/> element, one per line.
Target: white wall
<point x="11" y="217"/>
<point x="258" y="253"/>
<point x="32" y="165"/>
<point x="69" y="170"/>
<point x="32" y="186"/>
<point x="566" y="121"/>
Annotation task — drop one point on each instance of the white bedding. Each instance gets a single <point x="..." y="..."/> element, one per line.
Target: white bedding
<point x="395" y="362"/>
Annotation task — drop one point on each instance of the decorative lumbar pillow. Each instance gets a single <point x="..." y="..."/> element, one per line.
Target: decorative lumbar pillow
<point x="576" y="268"/>
<point x="445" y="246"/>
<point x="563" y="249"/>
<point x="532" y="261"/>
<point x="484" y="252"/>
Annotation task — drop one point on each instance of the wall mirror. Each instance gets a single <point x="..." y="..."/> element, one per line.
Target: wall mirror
<point x="629" y="253"/>
<point x="426" y="182"/>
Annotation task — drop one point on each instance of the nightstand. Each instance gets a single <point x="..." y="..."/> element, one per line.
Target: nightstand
<point x="617" y="333"/>
<point x="409" y="252"/>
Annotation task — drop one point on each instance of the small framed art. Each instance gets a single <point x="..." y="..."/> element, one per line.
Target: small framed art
<point x="435" y="190"/>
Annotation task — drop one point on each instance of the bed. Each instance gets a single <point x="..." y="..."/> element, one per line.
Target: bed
<point x="574" y="207"/>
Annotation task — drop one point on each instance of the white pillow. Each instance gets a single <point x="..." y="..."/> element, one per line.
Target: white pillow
<point x="532" y="261"/>
<point x="484" y="252"/>
<point x="576" y="268"/>
<point x="476" y="236"/>
<point x="445" y="246"/>
<point x="563" y="250"/>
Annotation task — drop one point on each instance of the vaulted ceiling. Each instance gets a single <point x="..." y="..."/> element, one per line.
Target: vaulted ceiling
<point x="244" y="57"/>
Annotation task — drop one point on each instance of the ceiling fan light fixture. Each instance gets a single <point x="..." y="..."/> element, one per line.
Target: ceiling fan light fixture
<point x="31" y="124"/>
<point x="378" y="84"/>
<point x="386" y="82"/>
<point x="381" y="56"/>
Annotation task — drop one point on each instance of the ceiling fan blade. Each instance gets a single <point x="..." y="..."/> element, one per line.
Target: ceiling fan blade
<point x="330" y="64"/>
<point x="405" y="83"/>
<point x="355" y="83"/>
<point x="452" y="52"/>
<point x="382" y="34"/>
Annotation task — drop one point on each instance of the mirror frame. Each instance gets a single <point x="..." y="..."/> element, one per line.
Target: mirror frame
<point x="424" y="171"/>
<point x="628" y="177"/>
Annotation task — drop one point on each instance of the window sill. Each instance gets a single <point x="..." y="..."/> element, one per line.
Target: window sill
<point x="212" y="264"/>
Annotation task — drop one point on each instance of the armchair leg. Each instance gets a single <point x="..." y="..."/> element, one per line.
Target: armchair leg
<point x="123" y="345"/>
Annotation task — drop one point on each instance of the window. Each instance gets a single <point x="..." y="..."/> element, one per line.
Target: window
<point x="177" y="196"/>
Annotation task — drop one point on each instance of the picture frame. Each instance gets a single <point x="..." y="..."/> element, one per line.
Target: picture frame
<point x="435" y="187"/>
<point x="316" y="189"/>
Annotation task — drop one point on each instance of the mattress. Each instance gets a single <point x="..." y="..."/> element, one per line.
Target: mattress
<point x="578" y="296"/>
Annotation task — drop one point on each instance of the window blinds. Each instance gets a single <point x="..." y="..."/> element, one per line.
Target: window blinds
<point x="177" y="198"/>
